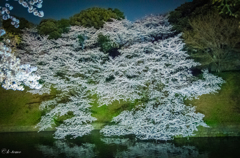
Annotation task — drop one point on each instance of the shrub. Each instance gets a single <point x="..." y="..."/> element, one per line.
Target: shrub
<point x="95" y="17"/>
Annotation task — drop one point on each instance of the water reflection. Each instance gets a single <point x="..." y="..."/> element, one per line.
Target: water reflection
<point x="63" y="148"/>
<point x="153" y="149"/>
<point x="39" y="145"/>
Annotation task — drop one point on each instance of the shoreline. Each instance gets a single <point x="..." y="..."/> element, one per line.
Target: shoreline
<point x="213" y="131"/>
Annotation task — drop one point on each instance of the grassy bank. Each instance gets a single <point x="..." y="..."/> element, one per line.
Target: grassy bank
<point x="19" y="108"/>
<point x="222" y="108"/>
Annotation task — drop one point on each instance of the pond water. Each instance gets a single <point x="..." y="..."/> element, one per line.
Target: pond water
<point x="43" y="144"/>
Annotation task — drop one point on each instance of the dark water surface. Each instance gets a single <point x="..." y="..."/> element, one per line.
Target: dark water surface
<point x="38" y="145"/>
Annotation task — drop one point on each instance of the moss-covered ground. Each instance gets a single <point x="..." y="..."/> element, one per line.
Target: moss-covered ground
<point x="19" y="108"/>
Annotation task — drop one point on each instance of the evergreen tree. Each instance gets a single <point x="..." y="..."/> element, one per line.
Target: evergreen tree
<point x="95" y="17"/>
<point x="53" y="28"/>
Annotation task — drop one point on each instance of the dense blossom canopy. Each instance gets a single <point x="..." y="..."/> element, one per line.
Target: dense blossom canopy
<point x="151" y="65"/>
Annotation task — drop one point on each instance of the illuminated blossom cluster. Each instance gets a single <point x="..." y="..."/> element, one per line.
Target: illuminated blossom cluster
<point x="13" y="75"/>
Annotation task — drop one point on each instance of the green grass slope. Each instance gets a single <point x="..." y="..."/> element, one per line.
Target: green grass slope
<point x="19" y="108"/>
<point x="224" y="107"/>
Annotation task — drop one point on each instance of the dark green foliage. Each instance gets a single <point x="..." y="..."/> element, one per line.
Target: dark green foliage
<point x="41" y="81"/>
<point x="64" y="25"/>
<point x="95" y="17"/>
<point x="53" y="28"/>
<point x="217" y="38"/>
<point x="81" y="39"/>
<point x="228" y="7"/>
<point x="65" y="30"/>
<point x="47" y="26"/>
<point x="210" y="33"/>
<point x="9" y="28"/>
<point x="105" y="43"/>
<point x="180" y="16"/>
<point x="55" y="34"/>
<point x="120" y="15"/>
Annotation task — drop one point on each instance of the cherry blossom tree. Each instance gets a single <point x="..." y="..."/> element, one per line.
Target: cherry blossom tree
<point x="151" y="65"/>
<point x="168" y="79"/>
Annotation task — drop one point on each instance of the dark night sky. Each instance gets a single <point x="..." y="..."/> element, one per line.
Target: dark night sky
<point x="133" y="9"/>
